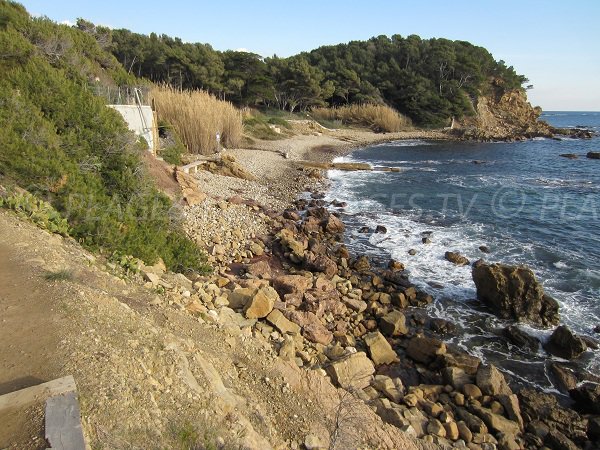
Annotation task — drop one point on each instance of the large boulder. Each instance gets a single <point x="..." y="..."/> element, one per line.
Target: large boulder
<point x="565" y="344"/>
<point x="353" y="371"/>
<point x="261" y="303"/>
<point x="513" y="292"/>
<point x="424" y="349"/>
<point x="333" y="225"/>
<point x="380" y="350"/>
<point x="491" y="381"/>
<point x="393" y="324"/>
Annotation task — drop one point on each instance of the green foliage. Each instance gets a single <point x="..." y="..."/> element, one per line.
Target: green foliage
<point x="62" y="144"/>
<point x="36" y="210"/>
<point x="173" y="153"/>
<point x="128" y="263"/>
<point x="259" y="126"/>
<point x="428" y="80"/>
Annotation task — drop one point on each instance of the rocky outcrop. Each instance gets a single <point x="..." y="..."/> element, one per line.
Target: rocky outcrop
<point x="503" y="115"/>
<point x="512" y="292"/>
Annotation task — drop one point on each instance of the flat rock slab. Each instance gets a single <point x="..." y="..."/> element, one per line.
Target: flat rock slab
<point x="63" y="423"/>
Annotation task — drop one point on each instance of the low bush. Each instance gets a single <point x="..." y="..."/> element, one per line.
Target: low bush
<point x="38" y="211"/>
<point x="261" y="126"/>
<point x="379" y="118"/>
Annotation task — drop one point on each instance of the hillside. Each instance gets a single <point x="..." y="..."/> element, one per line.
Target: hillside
<point x="60" y="142"/>
<point x="429" y="80"/>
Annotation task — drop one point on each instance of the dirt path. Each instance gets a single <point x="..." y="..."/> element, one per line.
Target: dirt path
<point x="31" y="326"/>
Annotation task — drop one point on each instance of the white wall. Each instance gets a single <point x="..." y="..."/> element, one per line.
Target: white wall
<point x="140" y="120"/>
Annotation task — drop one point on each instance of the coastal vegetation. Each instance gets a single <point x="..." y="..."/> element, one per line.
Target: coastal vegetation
<point x="428" y="80"/>
<point x="61" y="143"/>
<point x="376" y="117"/>
<point x="197" y="116"/>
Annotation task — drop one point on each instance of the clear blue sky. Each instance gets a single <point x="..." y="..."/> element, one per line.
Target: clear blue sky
<point x="553" y="42"/>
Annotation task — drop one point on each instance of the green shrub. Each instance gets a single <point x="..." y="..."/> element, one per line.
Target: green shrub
<point x="36" y="210"/>
<point x="62" y="144"/>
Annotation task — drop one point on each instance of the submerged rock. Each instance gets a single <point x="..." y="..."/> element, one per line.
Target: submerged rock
<point x="521" y="339"/>
<point x="513" y="292"/>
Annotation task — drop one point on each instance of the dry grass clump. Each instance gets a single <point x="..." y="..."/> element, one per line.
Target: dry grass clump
<point x="377" y="117"/>
<point x="197" y="117"/>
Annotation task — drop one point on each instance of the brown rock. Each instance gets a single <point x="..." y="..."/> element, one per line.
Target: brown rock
<point x="436" y="428"/>
<point x="285" y="326"/>
<point x="262" y="303"/>
<point x="354" y="371"/>
<point x="491" y="381"/>
<point x="521" y="339"/>
<point x="563" y="377"/>
<point x="464" y="432"/>
<point x="315" y="332"/>
<point x="474" y="423"/>
<point x="587" y="398"/>
<point x="395" y="266"/>
<point x="362" y="264"/>
<point x="462" y="360"/>
<point x="399" y="300"/>
<point x="239" y="297"/>
<point x="514" y="293"/>
<point x="333" y="225"/>
<point x="292" y="284"/>
<point x="512" y="408"/>
<point x="321" y="263"/>
<point x="565" y="344"/>
<point x="260" y="269"/>
<point x="558" y="441"/>
<point x="472" y="391"/>
<point x="424" y="349"/>
<point x="380" y="350"/>
<point x="387" y="387"/>
<point x="393" y="324"/>
<point x="456" y="377"/>
<point x="457" y="259"/>
<point x="452" y="432"/>
<point x="355" y="304"/>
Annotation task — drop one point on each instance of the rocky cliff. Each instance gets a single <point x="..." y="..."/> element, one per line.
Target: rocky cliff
<point x="503" y="115"/>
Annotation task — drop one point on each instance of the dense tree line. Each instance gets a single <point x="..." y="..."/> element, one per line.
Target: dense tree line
<point x="429" y="80"/>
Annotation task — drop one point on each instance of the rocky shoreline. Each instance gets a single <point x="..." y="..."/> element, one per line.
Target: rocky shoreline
<point x="293" y="281"/>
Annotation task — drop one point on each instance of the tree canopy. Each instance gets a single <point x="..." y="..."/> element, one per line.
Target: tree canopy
<point x="429" y="80"/>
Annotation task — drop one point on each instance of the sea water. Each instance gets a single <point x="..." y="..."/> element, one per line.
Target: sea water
<point x="522" y="200"/>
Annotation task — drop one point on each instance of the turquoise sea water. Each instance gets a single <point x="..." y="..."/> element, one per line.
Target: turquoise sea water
<point x="525" y="202"/>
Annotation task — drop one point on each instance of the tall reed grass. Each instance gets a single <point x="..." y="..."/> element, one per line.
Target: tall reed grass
<point x="197" y="117"/>
<point x="377" y="117"/>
